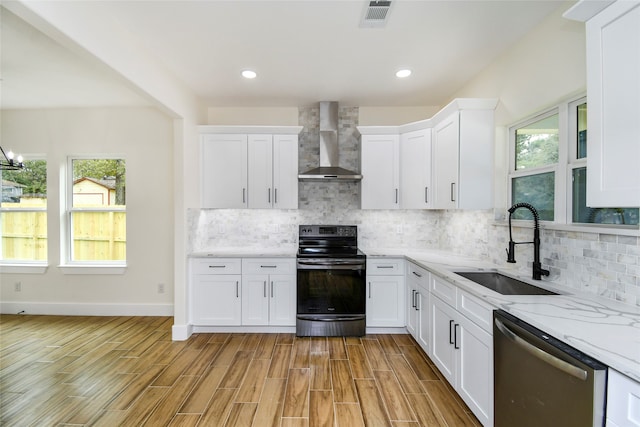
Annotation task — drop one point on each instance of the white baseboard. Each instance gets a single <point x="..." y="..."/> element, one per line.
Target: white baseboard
<point x="181" y="332"/>
<point x="85" y="309"/>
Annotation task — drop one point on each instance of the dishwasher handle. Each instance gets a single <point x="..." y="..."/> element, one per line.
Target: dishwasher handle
<point x="552" y="360"/>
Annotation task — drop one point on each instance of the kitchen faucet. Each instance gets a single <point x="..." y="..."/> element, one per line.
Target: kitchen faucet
<point x="538" y="271"/>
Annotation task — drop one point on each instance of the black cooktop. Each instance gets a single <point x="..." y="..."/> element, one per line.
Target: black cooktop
<point x="329" y="241"/>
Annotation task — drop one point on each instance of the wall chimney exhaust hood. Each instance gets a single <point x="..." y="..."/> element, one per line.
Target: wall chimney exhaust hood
<point x="329" y="153"/>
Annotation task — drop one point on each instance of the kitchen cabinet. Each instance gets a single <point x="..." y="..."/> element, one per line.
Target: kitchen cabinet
<point x="623" y="400"/>
<point x="268" y="291"/>
<point x="418" y="304"/>
<point x="613" y="89"/>
<point x="249" y="170"/>
<point x="224" y="171"/>
<point x="461" y="349"/>
<point x="396" y="170"/>
<point x="385" y="306"/>
<point x="415" y="169"/>
<point x="216" y="291"/>
<point x="380" y="185"/>
<point x="463" y="159"/>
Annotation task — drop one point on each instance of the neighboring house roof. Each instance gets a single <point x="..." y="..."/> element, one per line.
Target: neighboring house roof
<point x="107" y="183"/>
<point x="7" y="183"/>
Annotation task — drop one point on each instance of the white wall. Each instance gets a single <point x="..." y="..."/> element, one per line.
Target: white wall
<point x="257" y="116"/>
<point x="144" y="136"/>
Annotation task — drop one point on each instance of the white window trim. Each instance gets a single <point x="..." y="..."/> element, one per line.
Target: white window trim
<point x="567" y="162"/>
<point x="28" y="266"/>
<point x="67" y="265"/>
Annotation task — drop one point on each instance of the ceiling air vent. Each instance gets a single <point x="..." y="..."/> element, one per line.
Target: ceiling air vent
<point x="375" y="14"/>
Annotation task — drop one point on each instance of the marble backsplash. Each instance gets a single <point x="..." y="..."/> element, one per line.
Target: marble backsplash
<point x="603" y="264"/>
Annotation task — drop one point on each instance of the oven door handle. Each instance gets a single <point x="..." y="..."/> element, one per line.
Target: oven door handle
<point x="330" y="265"/>
<point x="330" y="319"/>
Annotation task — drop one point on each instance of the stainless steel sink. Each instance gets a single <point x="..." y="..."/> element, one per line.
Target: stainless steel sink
<point x="502" y="284"/>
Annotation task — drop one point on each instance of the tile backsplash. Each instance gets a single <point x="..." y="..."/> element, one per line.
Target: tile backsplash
<point x="602" y="264"/>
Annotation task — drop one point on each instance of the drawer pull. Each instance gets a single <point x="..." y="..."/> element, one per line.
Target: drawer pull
<point x="268" y="266"/>
<point x="417" y="274"/>
<point x="217" y="266"/>
<point x="384" y="266"/>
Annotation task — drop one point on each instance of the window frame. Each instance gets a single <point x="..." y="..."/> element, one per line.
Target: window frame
<point x="67" y="263"/>
<point x="568" y="161"/>
<point x="23" y="265"/>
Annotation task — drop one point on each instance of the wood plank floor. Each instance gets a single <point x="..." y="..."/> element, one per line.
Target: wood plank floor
<point x="126" y="371"/>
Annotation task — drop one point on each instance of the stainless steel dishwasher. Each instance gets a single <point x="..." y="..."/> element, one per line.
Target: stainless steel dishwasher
<point x="541" y="381"/>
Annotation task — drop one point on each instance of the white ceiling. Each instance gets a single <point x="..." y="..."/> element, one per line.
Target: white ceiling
<point x="304" y="51"/>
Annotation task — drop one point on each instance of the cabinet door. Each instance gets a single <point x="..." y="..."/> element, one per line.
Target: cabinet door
<point x="423" y="320"/>
<point x="415" y="173"/>
<point x="216" y="300"/>
<point x="613" y="67"/>
<point x="260" y="171"/>
<point x="285" y="171"/>
<point x="445" y="162"/>
<point x="282" y="300"/>
<point x="442" y="338"/>
<point x="412" y="309"/>
<point x="385" y="301"/>
<point x="474" y="380"/>
<point x="224" y="171"/>
<point x="380" y="186"/>
<point x="255" y="299"/>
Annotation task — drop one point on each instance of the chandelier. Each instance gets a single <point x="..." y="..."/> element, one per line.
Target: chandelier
<point x="7" y="161"/>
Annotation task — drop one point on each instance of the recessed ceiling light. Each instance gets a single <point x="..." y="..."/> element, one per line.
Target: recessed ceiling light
<point x="401" y="74"/>
<point x="248" y="74"/>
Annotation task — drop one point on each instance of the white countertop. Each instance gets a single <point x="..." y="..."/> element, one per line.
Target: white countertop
<point x="234" y="252"/>
<point x="604" y="329"/>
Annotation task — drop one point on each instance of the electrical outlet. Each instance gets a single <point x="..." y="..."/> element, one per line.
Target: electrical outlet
<point x="17" y="287"/>
<point x="161" y="288"/>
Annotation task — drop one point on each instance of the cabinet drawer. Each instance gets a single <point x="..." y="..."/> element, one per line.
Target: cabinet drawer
<point x="623" y="400"/>
<point x="268" y="265"/>
<point x="446" y="291"/>
<point x="385" y="266"/>
<point x="476" y="310"/>
<point x="216" y="266"/>
<point x="418" y="275"/>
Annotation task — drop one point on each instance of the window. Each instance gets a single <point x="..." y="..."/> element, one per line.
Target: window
<point x="536" y="149"/>
<point x="96" y="210"/>
<point x="23" y="213"/>
<point x="546" y="149"/>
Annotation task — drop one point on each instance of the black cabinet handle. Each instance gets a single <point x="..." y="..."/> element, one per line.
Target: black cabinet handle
<point x="426" y="194"/>
<point x="417" y="299"/>
<point x="455" y="336"/>
<point x="453" y="199"/>
<point x="413" y="298"/>
<point x="417" y="274"/>
<point x="450" y="332"/>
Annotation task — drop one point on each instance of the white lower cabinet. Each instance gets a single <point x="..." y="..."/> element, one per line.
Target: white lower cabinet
<point x="385" y="293"/>
<point x="216" y="292"/>
<point x="243" y="292"/>
<point x="463" y="352"/>
<point x="623" y="401"/>
<point x="418" y="304"/>
<point x="268" y="292"/>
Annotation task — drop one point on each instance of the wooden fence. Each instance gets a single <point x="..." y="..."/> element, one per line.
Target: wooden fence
<point x="97" y="236"/>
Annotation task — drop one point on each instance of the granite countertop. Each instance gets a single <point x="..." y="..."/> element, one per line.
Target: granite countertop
<point x="604" y="329"/>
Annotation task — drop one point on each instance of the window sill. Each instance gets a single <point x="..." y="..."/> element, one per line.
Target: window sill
<point x="92" y="269"/>
<point x="23" y="268"/>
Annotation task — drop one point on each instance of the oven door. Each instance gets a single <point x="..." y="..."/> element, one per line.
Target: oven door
<point x="331" y="298"/>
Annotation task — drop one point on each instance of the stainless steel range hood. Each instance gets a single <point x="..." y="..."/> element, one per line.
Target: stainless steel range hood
<point x="329" y="152"/>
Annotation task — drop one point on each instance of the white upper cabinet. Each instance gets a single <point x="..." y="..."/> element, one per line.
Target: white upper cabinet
<point x="613" y="91"/>
<point x="249" y="169"/>
<point x="415" y="170"/>
<point x="463" y="152"/>
<point x="224" y="171"/>
<point x="445" y="162"/>
<point x="380" y="188"/>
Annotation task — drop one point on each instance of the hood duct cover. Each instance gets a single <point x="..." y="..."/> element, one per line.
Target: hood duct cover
<point x="329" y="149"/>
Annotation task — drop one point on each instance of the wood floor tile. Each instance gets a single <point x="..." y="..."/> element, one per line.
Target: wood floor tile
<point x="121" y="371"/>
<point x="296" y="398"/>
<point x="373" y="410"/>
<point x="348" y="415"/>
<point x="321" y="408"/>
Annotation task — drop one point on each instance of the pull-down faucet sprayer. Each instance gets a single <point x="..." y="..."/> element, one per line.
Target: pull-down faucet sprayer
<point x="538" y="271"/>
